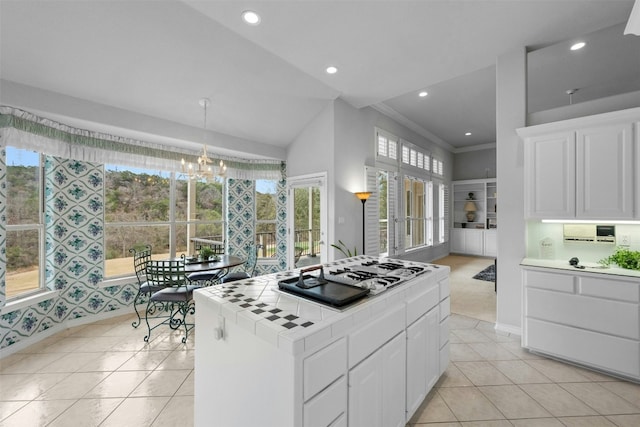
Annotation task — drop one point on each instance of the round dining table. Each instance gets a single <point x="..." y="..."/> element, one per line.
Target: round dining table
<point x="197" y="270"/>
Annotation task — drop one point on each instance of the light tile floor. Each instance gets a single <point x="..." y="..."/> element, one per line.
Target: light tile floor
<point x="105" y="374"/>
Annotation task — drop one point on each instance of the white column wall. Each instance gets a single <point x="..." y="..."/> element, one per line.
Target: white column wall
<point x="511" y="104"/>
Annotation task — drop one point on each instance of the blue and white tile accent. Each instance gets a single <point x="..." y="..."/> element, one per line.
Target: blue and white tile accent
<point x="74" y="241"/>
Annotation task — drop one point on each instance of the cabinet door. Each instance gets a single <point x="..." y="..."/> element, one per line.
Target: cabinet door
<point x="365" y="392"/>
<point x="474" y="242"/>
<point x="394" y="360"/>
<point x="549" y="174"/>
<point x="377" y="386"/>
<point x="416" y="364"/>
<point x="457" y="240"/>
<point x="423" y="359"/>
<point x="604" y="167"/>
<point x="490" y="243"/>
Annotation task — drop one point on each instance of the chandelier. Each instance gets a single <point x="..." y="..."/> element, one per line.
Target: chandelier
<point x="203" y="168"/>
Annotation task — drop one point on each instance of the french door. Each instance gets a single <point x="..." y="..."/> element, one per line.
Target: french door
<point x="307" y="220"/>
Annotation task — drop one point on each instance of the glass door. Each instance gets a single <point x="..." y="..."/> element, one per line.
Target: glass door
<point x="307" y="221"/>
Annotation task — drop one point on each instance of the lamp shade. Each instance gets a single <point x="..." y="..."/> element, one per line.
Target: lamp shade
<point x="363" y="195"/>
<point x="470" y="206"/>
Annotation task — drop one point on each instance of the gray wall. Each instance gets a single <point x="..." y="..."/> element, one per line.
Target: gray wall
<point x="476" y="164"/>
<point x="340" y="141"/>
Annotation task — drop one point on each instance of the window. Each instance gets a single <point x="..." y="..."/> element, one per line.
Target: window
<point x="136" y="214"/>
<point x="383" y="208"/>
<point x="418" y="213"/>
<point x="266" y="193"/>
<point x="24" y="223"/>
<point x="139" y="211"/>
<point x="387" y="146"/>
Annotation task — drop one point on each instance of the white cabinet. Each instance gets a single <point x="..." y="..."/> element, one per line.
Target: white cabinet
<point x="376" y="387"/>
<point x="490" y="243"/>
<point x="582" y="168"/>
<point x="586" y="318"/>
<point x="604" y="166"/>
<point x="549" y="168"/>
<point x="475" y="204"/>
<point x="470" y="242"/>
<point x="475" y="234"/>
<point x="423" y="356"/>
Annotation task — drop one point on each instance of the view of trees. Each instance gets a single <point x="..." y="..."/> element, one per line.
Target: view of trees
<point x="23" y="203"/>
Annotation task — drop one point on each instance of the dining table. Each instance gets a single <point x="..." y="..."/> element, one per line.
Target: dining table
<point x="222" y="263"/>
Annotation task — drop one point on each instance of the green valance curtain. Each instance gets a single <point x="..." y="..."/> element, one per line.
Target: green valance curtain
<point x="25" y="130"/>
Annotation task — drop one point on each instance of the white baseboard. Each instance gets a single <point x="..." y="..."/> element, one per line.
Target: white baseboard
<point x="509" y="329"/>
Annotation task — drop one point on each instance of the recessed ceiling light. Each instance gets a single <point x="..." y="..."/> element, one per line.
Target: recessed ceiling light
<point x="578" y="45"/>
<point x="423" y="94"/>
<point x="467" y="134"/>
<point x="250" y="17"/>
<point x="332" y="70"/>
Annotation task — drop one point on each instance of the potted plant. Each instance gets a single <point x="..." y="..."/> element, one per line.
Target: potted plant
<point x="205" y="253"/>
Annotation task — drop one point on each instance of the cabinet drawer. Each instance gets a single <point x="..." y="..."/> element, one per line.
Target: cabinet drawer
<point x="367" y="339"/>
<point x="326" y="407"/>
<point x="598" y="350"/>
<point x="444" y="358"/>
<point x="444" y="333"/>
<point x="422" y="303"/>
<point x="445" y="309"/>
<point x="445" y="290"/>
<point x="553" y="282"/>
<point x="610" y="317"/>
<point x="324" y="367"/>
<point x="612" y="289"/>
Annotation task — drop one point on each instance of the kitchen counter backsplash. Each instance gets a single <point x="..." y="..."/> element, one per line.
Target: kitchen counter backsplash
<point x="545" y="241"/>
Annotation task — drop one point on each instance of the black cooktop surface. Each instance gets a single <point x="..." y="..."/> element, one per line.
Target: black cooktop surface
<point x="331" y="293"/>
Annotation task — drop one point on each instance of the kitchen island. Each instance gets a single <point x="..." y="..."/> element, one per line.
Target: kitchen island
<point x="265" y="357"/>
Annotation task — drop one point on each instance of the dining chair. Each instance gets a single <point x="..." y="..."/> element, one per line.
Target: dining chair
<point x="145" y="289"/>
<point x="174" y="299"/>
<point x="250" y="269"/>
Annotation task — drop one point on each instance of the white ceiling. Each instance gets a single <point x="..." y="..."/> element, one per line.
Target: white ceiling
<point x="267" y="82"/>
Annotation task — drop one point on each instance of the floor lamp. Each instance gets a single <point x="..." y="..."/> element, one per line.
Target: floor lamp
<point x="363" y="196"/>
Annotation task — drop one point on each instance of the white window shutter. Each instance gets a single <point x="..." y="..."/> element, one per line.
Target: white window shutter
<point x="392" y="209"/>
<point x="372" y="213"/>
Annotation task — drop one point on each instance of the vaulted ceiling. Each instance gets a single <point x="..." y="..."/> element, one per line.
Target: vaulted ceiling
<point x="267" y="82"/>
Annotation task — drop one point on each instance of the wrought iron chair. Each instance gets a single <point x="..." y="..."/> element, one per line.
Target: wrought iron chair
<point x="250" y="270"/>
<point x="175" y="298"/>
<point x="140" y="260"/>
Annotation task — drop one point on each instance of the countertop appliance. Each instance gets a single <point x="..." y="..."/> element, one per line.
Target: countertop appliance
<point x="345" y="283"/>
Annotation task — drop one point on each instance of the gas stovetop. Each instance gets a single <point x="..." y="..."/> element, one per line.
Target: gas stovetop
<point x="345" y="282"/>
<point x="376" y="275"/>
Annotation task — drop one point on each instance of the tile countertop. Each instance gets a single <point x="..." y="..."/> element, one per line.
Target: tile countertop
<point x="589" y="267"/>
<point x="295" y="324"/>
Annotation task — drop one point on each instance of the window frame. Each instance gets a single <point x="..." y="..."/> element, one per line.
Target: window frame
<point x="38" y="227"/>
<point x="273" y="221"/>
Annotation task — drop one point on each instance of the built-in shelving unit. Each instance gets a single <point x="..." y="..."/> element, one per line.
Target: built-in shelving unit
<point x="476" y="237"/>
<point x="485" y="197"/>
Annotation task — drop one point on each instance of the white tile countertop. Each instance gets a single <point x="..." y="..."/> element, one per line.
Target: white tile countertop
<point x="295" y="324"/>
<point x="593" y="268"/>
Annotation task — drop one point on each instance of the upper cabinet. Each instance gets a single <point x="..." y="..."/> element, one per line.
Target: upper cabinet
<point x="583" y="168"/>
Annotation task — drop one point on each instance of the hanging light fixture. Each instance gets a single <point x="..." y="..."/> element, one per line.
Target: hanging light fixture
<point x="203" y="170"/>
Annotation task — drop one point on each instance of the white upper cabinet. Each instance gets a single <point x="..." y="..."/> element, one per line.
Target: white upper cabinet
<point x="550" y="178"/>
<point x="604" y="170"/>
<point x="583" y="168"/>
